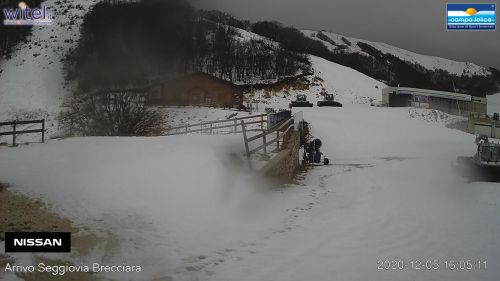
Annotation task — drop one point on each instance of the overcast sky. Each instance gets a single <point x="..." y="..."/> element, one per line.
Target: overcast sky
<point x="416" y="25"/>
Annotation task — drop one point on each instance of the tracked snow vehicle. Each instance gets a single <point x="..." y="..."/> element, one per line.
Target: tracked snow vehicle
<point x="329" y="100"/>
<point x="301" y="101"/>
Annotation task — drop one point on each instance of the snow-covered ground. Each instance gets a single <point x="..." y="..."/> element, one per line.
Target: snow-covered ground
<point x="391" y="194"/>
<point x="178" y="116"/>
<point x="163" y="203"/>
<point x="494" y="104"/>
<point x="33" y="79"/>
<point x="187" y="207"/>
<point x="349" y="45"/>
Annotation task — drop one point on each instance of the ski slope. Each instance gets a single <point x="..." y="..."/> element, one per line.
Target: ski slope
<point x="391" y="194"/>
<point x="349" y="45"/>
<point x="32" y="81"/>
<point x="187" y="207"/>
<point x="348" y="86"/>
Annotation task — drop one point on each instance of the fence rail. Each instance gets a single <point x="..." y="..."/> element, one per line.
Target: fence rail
<point x="210" y="126"/>
<point x="281" y="130"/>
<point x="16" y="132"/>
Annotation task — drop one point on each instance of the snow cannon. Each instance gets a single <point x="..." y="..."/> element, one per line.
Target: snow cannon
<point x="301" y="101"/>
<point x="312" y="154"/>
<point x="329" y="100"/>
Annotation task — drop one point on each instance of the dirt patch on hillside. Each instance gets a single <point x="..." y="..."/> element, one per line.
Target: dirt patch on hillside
<point x="20" y="213"/>
<point x="4" y="260"/>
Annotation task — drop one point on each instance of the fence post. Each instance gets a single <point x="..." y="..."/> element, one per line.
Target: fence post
<point x="235" y="126"/>
<point x="264" y="142"/>
<point x="211" y="128"/>
<point x="278" y="139"/>
<point x="14" y="134"/>
<point x="43" y="130"/>
<point x="262" y="122"/>
<point x="246" y="143"/>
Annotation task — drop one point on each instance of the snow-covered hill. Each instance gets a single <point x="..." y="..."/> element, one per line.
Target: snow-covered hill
<point x="338" y="43"/>
<point x="349" y="87"/>
<point x="33" y="79"/>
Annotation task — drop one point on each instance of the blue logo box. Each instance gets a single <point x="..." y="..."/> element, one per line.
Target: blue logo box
<point x="477" y="16"/>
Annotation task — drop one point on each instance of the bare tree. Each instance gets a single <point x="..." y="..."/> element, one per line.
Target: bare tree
<point x="117" y="113"/>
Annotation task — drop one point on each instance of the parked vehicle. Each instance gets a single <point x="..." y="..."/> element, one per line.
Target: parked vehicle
<point x="301" y="101"/>
<point x="488" y="153"/>
<point x="329" y="100"/>
<point x="484" y="165"/>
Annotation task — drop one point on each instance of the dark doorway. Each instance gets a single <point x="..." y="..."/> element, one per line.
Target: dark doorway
<point x="401" y="100"/>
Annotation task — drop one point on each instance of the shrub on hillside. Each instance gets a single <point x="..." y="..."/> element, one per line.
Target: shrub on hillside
<point x="111" y="114"/>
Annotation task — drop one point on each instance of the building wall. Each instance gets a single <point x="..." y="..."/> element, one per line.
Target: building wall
<point x="385" y="95"/>
<point x="197" y="90"/>
<point x="488" y="127"/>
<point x="457" y="107"/>
<point x="420" y="98"/>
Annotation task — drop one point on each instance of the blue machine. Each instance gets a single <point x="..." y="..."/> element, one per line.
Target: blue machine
<point x="312" y="153"/>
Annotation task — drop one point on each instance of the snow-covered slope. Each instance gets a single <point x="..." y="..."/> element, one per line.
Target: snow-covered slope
<point x="165" y="203"/>
<point x="349" y="45"/>
<point x="186" y="208"/>
<point x="33" y="80"/>
<point x="245" y="36"/>
<point x="391" y="194"/>
<point x="349" y="87"/>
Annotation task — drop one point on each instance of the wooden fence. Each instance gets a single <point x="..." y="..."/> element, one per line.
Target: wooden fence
<point x="234" y="125"/>
<point x="16" y="132"/>
<point x="277" y="134"/>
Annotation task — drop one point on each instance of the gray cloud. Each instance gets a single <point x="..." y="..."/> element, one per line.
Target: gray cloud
<point x="414" y="25"/>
